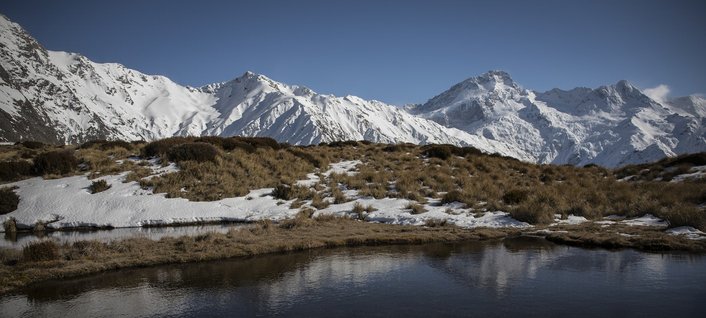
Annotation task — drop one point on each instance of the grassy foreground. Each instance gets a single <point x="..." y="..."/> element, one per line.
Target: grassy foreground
<point x="47" y="260"/>
<point x="213" y="168"/>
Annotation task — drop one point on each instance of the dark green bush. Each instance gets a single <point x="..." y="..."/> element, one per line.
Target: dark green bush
<point x="55" y="162"/>
<point x="195" y="151"/>
<point x="8" y="200"/>
<point x="15" y="170"/>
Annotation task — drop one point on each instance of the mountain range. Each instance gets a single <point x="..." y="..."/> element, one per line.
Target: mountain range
<point x="60" y="97"/>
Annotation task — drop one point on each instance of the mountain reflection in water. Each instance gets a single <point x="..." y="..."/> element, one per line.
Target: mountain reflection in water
<point x="525" y="276"/>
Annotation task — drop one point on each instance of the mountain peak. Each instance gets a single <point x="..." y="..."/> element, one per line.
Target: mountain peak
<point x="496" y="74"/>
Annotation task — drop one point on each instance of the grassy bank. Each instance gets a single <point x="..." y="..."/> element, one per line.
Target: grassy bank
<point x="48" y="260"/>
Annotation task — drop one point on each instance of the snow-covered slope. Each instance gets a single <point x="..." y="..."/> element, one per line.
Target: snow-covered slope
<point x="63" y="97"/>
<point x="611" y="125"/>
<point x="66" y="98"/>
<point x="254" y="105"/>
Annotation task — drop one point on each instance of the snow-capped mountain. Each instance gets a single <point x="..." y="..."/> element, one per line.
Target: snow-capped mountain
<point x="611" y="125"/>
<point x="63" y="97"/>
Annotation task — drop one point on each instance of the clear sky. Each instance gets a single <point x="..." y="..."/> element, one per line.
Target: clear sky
<point x="394" y="51"/>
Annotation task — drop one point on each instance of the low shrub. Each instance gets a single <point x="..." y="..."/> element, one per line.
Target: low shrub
<point x="445" y="151"/>
<point x="343" y="143"/>
<point x="416" y="208"/>
<point x="452" y="196"/>
<point x="319" y="203"/>
<point x="289" y="192"/>
<point x="338" y="196"/>
<point x="194" y="151"/>
<point x="55" y="162"/>
<point x="435" y="222"/>
<point x="533" y="212"/>
<point x="442" y="152"/>
<point x="41" y="251"/>
<point x="106" y="144"/>
<point x="359" y="210"/>
<point x="696" y="159"/>
<point x="259" y="142"/>
<point x="8" y="200"/>
<point x="515" y="196"/>
<point x="15" y="170"/>
<point x="98" y="186"/>
<point x="316" y="162"/>
<point x="231" y="144"/>
<point x="684" y="215"/>
<point x="161" y="147"/>
<point x="32" y="144"/>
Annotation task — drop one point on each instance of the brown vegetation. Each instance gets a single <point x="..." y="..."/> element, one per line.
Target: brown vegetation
<point x="98" y="186"/>
<point x="46" y="260"/>
<point x="233" y="166"/>
<point x="8" y="200"/>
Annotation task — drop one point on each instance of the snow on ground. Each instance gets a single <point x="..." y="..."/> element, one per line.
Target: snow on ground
<point x="347" y="167"/>
<point x="67" y="202"/>
<point x="571" y="219"/>
<point x="394" y="211"/>
<point x="695" y="173"/>
<point x="688" y="232"/>
<point x="646" y="220"/>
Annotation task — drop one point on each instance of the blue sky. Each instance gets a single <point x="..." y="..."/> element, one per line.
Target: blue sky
<point x="395" y="51"/>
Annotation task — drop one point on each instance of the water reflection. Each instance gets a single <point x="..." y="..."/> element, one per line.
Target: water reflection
<point x="437" y="279"/>
<point x="19" y="240"/>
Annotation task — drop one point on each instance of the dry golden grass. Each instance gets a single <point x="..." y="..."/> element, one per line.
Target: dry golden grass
<point x="622" y="236"/>
<point x="300" y="233"/>
<point x="532" y="193"/>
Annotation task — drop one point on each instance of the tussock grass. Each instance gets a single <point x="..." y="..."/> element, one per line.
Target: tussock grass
<point x="415" y="208"/>
<point x="49" y="260"/>
<point x="41" y="251"/>
<point x="98" y="186"/>
<point x="532" y="193"/>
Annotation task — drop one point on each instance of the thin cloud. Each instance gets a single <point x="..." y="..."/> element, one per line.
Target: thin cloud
<point x="658" y="93"/>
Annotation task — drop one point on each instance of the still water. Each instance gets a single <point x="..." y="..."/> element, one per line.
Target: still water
<point x="525" y="277"/>
<point x="19" y="240"/>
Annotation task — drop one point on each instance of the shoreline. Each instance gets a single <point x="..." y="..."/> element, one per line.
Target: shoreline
<point x="21" y="268"/>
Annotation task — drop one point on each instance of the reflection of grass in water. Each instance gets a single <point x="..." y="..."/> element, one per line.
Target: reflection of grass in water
<point x="296" y="234"/>
<point x="299" y="233"/>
